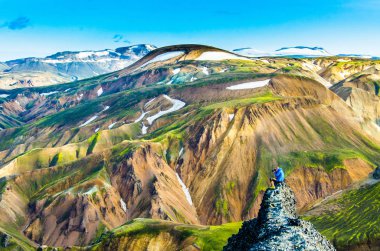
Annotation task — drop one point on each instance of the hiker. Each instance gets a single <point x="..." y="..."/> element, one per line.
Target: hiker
<point x="279" y="177"/>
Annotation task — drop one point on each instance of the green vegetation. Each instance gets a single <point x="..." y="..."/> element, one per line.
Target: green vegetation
<point x="214" y="237"/>
<point x="221" y="207"/>
<point x="92" y="141"/>
<point x="291" y="68"/>
<point x="352" y="219"/>
<point x="16" y="240"/>
<point x="207" y="238"/>
<point x="267" y="97"/>
<point x="329" y="159"/>
<point x="3" y="185"/>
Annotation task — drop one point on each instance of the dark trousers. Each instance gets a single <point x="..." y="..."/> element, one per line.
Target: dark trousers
<point x="275" y="182"/>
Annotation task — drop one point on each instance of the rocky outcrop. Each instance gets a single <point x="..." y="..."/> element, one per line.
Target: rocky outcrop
<point x="277" y="227"/>
<point x="376" y="173"/>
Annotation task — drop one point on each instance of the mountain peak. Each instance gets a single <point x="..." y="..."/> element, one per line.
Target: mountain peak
<point x="277" y="225"/>
<point x="303" y="51"/>
<point x="302" y="47"/>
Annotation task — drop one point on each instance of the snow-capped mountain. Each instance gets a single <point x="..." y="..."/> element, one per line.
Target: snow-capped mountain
<point x="69" y="65"/>
<point x="302" y="51"/>
<point x="250" y="52"/>
<point x="357" y="56"/>
<point x="297" y="51"/>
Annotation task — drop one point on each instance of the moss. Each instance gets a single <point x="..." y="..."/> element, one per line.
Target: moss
<point x="221" y="207"/>
<point x="92" y="141"/>
<point x="263" y="98"/>
<point x="214" y="237"/>
<point x="352" y="219"/>
<point x="207" y="238"/>
<point x="230" y="185"/>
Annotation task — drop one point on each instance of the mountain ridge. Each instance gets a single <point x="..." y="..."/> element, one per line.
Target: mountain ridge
<point x="187" y="135"/>
<point x="68" y="66"/>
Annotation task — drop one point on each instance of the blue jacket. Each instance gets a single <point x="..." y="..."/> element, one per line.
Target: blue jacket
<point x="279" y="175"/>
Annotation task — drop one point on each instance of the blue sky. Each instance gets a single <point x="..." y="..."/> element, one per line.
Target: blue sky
<point x="42" y="27"/>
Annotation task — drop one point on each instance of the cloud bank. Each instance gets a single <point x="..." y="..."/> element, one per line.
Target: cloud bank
<point x="17" y="24"/>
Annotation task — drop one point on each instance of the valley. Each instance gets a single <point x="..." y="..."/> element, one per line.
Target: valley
<point x="175" y="150"/>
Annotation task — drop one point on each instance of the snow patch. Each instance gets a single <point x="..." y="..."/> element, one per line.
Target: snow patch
<point x="4" y="95"/>
<point x="149" y="102"/>
<point x="218" y="56"/>
<point x="48" y="93"/>
<point x="97" y="129"/>
<point x="176" y="71"/>
<point x="105" y="109"/>
<point x="141" y="117"/>
<point x="205" y="70"/>
<point x="93" y="189"/>
<point x="100" y="91"/>
<point x="180" y="152"/>
<point x="89" y="121"/>
<point x="144" y="129"/>
<point x="177" y="104"/>
<point x="123" y="205"/>
<point x="249" y="85"/>
<point x="185" y="189"/>
<point x="164" y="56"/>
<point x="112" y="125"/>
<point x="231" y="116"/>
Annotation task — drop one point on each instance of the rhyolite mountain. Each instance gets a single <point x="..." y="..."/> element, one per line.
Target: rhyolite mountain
<point x="68" y="66"/>
<point x="175" y="150"/>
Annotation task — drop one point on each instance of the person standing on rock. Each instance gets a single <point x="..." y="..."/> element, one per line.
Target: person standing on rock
<point x="279" y="177"/>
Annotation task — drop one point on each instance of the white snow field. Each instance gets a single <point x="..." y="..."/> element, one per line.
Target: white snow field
<point x="94" y="117"/>
<point x="185" y="189"/>
<point x="205" y="70"/>
<point x="89" y="121"/>
<point x="218" y="56"/>
<point x="141" y="117"/>
<point x="249" y="85"/>
<point x="164" y="56"/>
<point x="112" y="125"/>
<point x="177" y="104"/>
<point x="231" y="116"/>
<point x="123" y="205"/>
<point x="176" y="71"/>
<point x="144" y="129"/>
<point x="100" y="91"/>
<point x="48" y="93"/>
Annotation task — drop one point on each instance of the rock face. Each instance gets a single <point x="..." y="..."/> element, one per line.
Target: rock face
<point x="277" y="227"/>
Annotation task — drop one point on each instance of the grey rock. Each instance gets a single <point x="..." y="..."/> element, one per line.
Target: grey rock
<point x="278" y="227"/>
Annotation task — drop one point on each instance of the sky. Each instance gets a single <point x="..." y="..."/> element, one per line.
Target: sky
<point x="42" y="27"/>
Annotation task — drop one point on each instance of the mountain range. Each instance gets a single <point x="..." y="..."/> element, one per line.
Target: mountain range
<point x="67" y="66"/>
<point x="175" y="151"/>
<point x="297" y="52"/>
